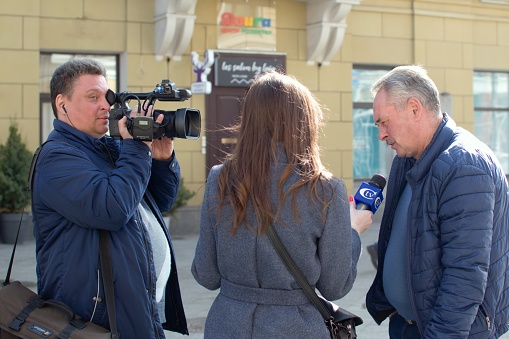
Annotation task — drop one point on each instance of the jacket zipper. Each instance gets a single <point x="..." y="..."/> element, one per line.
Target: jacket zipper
<point x="96" y="298"/>
<point x="409" y="263"/>
<point x="483" y="313"/>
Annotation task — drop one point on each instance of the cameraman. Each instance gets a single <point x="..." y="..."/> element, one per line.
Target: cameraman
<point x="86" y="181"/>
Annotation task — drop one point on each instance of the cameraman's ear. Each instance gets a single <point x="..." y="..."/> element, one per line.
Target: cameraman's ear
<point x="60" y="103"/>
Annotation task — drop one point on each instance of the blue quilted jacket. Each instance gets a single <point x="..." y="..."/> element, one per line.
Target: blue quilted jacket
<point x="82" y="185"/>
<point x="458" y="245"/>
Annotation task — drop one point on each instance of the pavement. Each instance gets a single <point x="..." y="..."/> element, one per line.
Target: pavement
<point x="197" y="299"/>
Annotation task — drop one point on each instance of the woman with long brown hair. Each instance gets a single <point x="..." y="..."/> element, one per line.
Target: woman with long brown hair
<point x="275" y="176"/>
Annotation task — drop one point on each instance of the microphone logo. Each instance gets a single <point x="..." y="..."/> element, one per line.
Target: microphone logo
<point x="367" y="193"/>
<point x="370" y="194"/>
<point x="378" y="201"/>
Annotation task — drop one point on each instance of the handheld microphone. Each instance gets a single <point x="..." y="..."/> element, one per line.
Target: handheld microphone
<point x="369" y="196"/>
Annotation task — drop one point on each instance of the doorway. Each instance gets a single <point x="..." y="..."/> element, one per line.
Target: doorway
<point x="231" y="76"/>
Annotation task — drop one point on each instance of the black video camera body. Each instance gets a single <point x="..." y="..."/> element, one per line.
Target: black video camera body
<point x="183" y="123"/>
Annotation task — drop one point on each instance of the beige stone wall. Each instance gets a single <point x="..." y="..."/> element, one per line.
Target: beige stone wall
<point x="19" y="68"/>
<point x="451" y="38"/>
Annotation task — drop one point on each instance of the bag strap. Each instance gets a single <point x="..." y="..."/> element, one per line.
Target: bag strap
<point x="107" y="270"/>
<point x="28" y="189"/>
<point x="296" y="273"/>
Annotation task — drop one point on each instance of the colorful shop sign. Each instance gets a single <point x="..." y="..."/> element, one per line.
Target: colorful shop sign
<point x="246" y="27"/>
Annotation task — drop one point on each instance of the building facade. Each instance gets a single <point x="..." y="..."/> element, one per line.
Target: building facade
<point x="335" y="47"/>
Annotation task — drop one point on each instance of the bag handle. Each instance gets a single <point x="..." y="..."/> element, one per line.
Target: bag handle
<point x="57" y="304"/>
<point x="38" y="302"/>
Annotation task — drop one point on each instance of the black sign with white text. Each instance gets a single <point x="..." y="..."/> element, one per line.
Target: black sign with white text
<point x="240" y="72"/>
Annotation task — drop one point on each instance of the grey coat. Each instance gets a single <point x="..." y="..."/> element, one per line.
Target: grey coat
<point x="259" y="297"/>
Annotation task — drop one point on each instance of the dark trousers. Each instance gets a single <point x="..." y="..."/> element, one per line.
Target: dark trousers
<point x="399" y="328"/>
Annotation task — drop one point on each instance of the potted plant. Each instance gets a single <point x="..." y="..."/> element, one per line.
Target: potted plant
<point x="183" y="196"/>
<point x="15" y="161"/>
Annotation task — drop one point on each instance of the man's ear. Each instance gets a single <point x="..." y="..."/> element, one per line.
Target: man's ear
<point x="416" y="107"/>
<point x="60" y="103"/>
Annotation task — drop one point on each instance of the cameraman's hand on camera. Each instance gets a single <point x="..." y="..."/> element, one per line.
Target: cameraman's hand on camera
<point x="162" y="149"/>
<point x="122" y="128"/>
<point x="360" y="219"/>
<point x="122" y="123"/>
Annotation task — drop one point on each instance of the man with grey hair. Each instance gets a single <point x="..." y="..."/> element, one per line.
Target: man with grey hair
<point x="443" y="249"/>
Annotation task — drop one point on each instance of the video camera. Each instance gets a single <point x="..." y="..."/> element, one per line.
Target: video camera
<point x="183" y="123"/>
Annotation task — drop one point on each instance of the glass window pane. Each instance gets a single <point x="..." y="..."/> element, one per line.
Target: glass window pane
<point x="370" y="155"/>
<point x="362" y="80"/>
<point x="491" y="127"/>
<point x="491" y="90"/>
<point x="365" y="144"/>
<point x="491" y="113"/>
<point x="50" y="61"/>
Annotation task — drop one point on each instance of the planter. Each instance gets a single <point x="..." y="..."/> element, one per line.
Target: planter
<point x="9" y="223"/>
<point x="185" y="221"/>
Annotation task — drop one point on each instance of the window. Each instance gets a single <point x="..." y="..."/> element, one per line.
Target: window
<point x="491" y="113"/>
<point x="370" y="155"/>
<point x="48" y="63"/>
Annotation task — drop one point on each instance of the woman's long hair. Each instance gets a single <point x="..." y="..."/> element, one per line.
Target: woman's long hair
<point x="277" y="110"/>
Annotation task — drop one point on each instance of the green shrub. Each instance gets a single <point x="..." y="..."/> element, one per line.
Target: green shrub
<point x="183" y="196"/>
<point x="15" y="162"/>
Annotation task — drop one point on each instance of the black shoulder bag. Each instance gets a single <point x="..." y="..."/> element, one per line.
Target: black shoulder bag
<point x="25" y="314"/>
<point x="340" y="322"/>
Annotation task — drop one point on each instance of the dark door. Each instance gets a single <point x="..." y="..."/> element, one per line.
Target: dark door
<point x="223" y="107"/>
<point x="231" y="75"/>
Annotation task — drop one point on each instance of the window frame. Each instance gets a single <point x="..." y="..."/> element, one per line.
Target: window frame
<point x="45" y="97"/>
<point x="364" y="105"/>
<point x="488" y="109"/>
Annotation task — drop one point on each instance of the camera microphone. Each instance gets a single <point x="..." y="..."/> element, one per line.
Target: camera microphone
<point x="369" y="196"/>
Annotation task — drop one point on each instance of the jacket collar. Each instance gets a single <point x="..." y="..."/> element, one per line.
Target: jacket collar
<point x="440" y="141"/>
<point x="65" y="132"/>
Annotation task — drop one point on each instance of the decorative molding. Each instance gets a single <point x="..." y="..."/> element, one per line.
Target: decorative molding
<point x="496" y="2"/>
<point x="174" y="26"/>
<point x="326" y="24"/>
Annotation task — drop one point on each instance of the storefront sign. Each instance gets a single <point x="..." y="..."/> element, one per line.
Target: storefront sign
<point x="240" y="71"/>
<point x="246" y="27"/>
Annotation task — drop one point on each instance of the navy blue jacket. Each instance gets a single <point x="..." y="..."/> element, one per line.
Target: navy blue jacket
<point x="82" y="185"/>
<point x="458" y="245"/>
